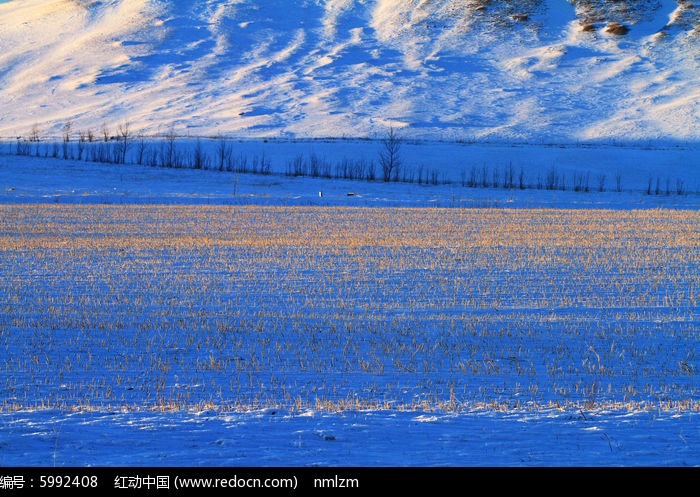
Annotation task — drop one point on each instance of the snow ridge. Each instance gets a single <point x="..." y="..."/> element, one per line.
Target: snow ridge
<point x="540" y="70"/>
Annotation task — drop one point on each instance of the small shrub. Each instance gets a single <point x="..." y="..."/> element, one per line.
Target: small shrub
<point x="617" y="29"/>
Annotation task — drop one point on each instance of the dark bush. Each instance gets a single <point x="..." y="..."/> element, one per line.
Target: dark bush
<point x="617" y="29"/>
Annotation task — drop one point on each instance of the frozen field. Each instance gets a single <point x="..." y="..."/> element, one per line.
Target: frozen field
<point x="202" y="265"/>
<point x="267" y="329"/>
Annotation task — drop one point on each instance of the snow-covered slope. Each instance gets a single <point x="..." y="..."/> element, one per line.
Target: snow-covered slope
<point x="538" y="70"/>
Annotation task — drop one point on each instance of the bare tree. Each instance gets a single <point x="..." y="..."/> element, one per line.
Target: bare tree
<point x="389" y="155"/>
<point x="169" y="156"/>
<point x="34" y="138"/>
<point x="66" y="138"/>
<point x="123" y="144"/>
<point x="224" y="152"/>
<point x="601" y="182"/>
<point x="141" y="149"/>
<point x="509" y="177"/>
<point x="82" y="140"/>
<point x="200" y="160"/>
<point x="680" y="186"/>
<point x="22" y="146"/>
<point x="34" y="133"/>
<point x="618" y="181"/>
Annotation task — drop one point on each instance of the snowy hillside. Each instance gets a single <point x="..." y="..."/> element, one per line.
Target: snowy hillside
<point x="536" y="71"/>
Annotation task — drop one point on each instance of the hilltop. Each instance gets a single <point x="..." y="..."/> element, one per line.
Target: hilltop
<point x="534" y="71"/>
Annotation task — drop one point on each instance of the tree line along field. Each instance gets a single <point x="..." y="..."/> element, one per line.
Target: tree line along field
<point x="246" y="307"/>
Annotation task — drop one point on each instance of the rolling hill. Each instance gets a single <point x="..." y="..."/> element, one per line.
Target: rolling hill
<point x="533" y="71"/>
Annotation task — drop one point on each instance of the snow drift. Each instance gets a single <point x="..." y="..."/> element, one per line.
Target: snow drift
<point x="540" y="70"/>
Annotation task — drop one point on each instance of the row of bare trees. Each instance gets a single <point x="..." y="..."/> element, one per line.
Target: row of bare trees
<point x="114" y="147"/>
<point x="123" y="146"/>
<point x="80" y="144"/>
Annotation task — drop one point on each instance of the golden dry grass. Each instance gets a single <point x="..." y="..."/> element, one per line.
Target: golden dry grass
<point x="178" y="307"/>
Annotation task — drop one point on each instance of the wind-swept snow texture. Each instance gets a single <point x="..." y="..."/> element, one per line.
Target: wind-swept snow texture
<point x="539" y="70"/>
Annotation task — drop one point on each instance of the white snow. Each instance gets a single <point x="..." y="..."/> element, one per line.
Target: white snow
<point x="439" y="69"/>
<point x="310" y="438"/>
<point x="468" y="90"/>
